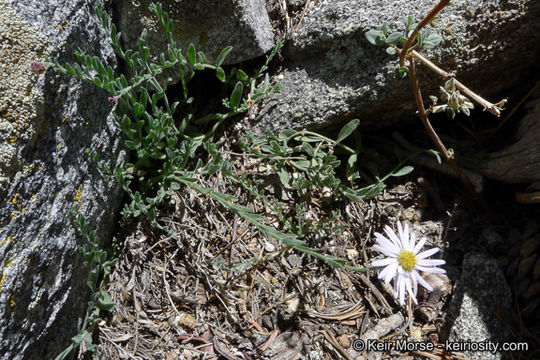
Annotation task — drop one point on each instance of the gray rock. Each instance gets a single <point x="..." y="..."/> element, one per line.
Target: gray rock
<point x="209" y="25"/>
<point x="334" y="74"/>
<point x="43" y="281"/>
<point x="470" y="317"/>
<point x="518" y="162"/>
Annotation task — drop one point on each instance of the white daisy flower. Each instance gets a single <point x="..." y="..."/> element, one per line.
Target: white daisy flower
<point x="404" y="262"/>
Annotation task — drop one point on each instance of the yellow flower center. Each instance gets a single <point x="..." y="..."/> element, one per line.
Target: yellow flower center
<point x="407" y="260"/>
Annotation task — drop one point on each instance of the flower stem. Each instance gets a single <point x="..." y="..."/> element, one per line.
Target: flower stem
<point x="429" y="17"/>
<point x="495" y="109"/>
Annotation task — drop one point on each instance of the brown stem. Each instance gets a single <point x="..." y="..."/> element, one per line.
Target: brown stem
<point x="425" y="120"/>
<point x="429" y="17"/>
<point x="495" y="109"/>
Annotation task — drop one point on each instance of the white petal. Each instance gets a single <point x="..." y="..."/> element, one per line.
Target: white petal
<point x="401" y="234"/>
<point x="412" y="241"/>
<point x="422" y="281"/>
<point x="386" y="243"/>
<point x="383" y="262"/>
<point x="385" y="251"/>
<point x="389" y="272"/>
<point x="432" y="270"/>
<point x="427" y="253"/>
<point x="414" y="274"/>
<point x="410" y="291"/>
<point x="392" y="236"/>
<point x="405" y="239"/>
<point x="401" y="290"/>
<point x="430" y="262"/>
<point x="419" y="245"/>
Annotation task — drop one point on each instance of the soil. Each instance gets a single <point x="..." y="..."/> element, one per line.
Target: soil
<point x="219" y="289"/>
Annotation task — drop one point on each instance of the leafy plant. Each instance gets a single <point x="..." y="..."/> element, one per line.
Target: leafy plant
<point x="407" y="45"/>
<point x="162" y="134"/>
<point x="314" y="163"/>
<point x="168" y="139"/>
<point x="100" y="266"/>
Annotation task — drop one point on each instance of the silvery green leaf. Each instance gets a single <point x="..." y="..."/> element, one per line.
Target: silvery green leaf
<point x="222" y="55"/>
<point x="431" y="41"/>
<point x="351" y="165"/>
<point x="390" y="50"/>
<point x="439" y="108"/>
<point x="375" y="37"/>
<point x="394" y="37"/>
<point x="403" y="171"/>
<point x="347" y="130"/>
<point x="241" y="75"/>
<point x="287" y="133"/>
<point x="384" y="28"/>
<point x="450" y="85"/>
<point x="308" y="149"/>
<point x="236" y="95"/>
<point x="284" y="176"/>
<point x="202" y="58"/>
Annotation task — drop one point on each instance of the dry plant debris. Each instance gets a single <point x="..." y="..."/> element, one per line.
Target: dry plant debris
<point x="220" y="289"/>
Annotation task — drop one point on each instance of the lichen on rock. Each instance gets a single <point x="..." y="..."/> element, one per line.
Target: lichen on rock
<point x="20" y="106"/>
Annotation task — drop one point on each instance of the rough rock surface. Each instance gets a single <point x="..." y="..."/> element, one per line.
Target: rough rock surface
<point x="470" y="317"/>
<point x="209" y="25"/>
<point x="334" y="74"/>
<point x="520" y="161"/>
<point x="19" y="106"/>
<point x="43" y="281"/>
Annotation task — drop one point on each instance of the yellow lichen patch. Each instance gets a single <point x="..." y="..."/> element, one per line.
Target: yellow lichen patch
<point x="14" y="200"/>
<point x="33" y="197"/>
<point x="14" y="214"/>
<point x="31" y="167"/>
<point x="2" y="282"/>
<point x="8" y="238"/>
<point x="78" y="194"/>
<point x="59" y="146"/>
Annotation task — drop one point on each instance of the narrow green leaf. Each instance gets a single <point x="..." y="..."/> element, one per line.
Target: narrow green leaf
<point x="284" y="176"/>
<point x="436" y="154"/>
<point x="202" y="58"/>
<point x="403" y="171"/>
<point x="241" y="75"/>
<point x="347" y="130"/>
<point x="222" y="55"/>
<point x="191" y="54"/>
<point x="351" y="165"/>
<point x="236" y="95"/>
<point x="286" y="134"/>
<point x="220" y="74"/>
<point x="308" y="149"/>
<point x="105" y="301"/>
<point x="384" y="28"/>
